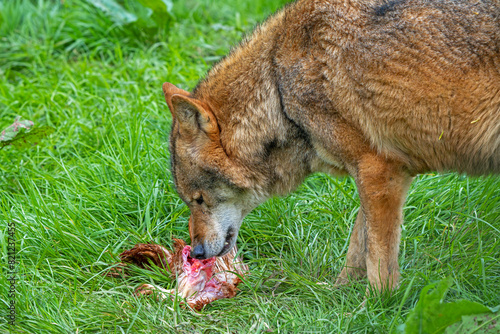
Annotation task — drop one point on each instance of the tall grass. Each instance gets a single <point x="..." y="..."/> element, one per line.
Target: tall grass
<point x="101" y="183"/>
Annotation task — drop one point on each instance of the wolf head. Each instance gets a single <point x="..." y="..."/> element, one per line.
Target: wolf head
<point x="213" y="186"/>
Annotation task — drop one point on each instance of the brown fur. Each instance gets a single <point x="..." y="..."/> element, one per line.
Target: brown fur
<point x="381" y="90"/>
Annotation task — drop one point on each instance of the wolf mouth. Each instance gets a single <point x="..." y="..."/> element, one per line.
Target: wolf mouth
<point x="227" y="243"/>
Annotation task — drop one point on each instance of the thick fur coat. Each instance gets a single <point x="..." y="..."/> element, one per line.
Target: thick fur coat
<point x="379" y="90"/>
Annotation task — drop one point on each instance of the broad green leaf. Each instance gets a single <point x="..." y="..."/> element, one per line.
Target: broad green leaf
<point x="16" y="128"/>
<point x="432" y="316"/>
<point x="169" y="5"/>
<point x="486" y="323"/>
<point x="28" y="139"/>
<point x="158" y="6"/>
<point x="143" y="13"/>
<point x="114" y="11"/>
<point x="161" y="9"/>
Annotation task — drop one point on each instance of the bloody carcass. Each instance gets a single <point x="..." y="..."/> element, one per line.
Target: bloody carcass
<point x="199" y="282"/>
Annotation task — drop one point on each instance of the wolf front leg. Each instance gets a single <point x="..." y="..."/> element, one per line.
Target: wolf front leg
<point x="382" y="187"/>
<point x="355" y="267"/>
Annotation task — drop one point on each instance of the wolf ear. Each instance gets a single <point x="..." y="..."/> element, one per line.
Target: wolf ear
<point x="170" y="90"/>
<point x="192" y="114"/>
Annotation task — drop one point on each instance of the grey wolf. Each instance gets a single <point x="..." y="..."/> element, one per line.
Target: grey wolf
<point x="379" y="90"/>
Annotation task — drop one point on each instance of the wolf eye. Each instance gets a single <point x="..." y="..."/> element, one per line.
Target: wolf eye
<point x="199" y="200"/>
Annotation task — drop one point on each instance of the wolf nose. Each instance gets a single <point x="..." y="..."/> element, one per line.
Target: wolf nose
<point x="198" y="252"/>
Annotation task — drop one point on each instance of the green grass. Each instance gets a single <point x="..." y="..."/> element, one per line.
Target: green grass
<point x="101" y="183"/>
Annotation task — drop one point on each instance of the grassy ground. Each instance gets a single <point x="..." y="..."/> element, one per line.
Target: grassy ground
<point x="101" y="183"/>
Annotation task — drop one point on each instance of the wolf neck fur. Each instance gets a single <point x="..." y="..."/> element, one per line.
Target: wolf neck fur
<point x="245" y="99"/>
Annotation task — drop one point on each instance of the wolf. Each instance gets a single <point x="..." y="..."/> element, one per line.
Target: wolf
<point x="378" y="90"/>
